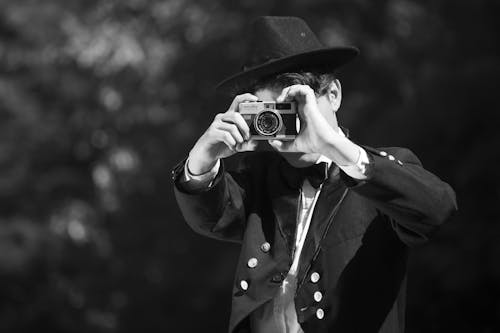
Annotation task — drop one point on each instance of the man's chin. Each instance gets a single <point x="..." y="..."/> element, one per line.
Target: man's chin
<point x="301" y="160"/>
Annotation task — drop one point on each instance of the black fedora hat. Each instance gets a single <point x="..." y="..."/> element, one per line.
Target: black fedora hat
<point x="280" y="44"/>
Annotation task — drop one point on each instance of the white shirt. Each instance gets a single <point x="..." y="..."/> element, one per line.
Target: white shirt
<point x="279" y="315"/>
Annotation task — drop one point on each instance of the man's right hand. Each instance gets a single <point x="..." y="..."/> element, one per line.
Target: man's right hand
<point x="227" y="135"/>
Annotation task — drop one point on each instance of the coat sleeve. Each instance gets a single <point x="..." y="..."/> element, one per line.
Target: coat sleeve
<point x="218" y="211"/>
<point x="416" y="201"/>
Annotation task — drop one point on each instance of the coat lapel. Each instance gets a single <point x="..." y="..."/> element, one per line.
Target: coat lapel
<point x="327" y="205"/>
<point x="284" y="202"/>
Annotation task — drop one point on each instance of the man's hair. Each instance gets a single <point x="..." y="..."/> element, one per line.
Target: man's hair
<point x="318" y="81"/>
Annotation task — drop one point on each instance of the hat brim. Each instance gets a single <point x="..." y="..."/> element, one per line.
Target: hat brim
<point x="330" y="59"/>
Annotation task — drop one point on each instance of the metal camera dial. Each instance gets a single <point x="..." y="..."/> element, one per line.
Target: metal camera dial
<point x="268" y="122"/>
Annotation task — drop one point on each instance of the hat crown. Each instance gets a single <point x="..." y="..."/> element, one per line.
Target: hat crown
<point x="275" y="37"/>
<point x="280" y="44"/>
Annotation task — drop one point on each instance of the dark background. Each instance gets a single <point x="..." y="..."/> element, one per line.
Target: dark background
<point x="100" y="98"/>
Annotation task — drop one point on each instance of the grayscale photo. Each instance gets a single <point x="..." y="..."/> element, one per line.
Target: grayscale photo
<point x="249" y="167"/>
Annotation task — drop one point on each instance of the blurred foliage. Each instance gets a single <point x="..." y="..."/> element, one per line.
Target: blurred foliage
<point x="100" y="98"/>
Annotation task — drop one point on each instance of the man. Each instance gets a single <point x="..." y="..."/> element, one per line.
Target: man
<point x="325" y="224"/>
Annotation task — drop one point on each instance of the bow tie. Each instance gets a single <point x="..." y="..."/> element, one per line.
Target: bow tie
<point x="316" y="174"/>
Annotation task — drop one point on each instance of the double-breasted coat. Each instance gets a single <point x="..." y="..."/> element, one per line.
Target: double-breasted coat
<point x="352" y="271"/>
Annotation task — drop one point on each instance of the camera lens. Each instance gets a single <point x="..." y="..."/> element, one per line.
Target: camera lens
<point x="267" y="123"/>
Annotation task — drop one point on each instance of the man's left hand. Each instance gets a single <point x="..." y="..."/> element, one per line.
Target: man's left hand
<point x="315" y="132"/>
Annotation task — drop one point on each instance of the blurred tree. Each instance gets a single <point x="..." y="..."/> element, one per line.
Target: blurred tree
<point x="98" y="99"/>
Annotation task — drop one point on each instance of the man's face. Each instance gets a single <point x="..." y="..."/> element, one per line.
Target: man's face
<point x="327" y="105"/>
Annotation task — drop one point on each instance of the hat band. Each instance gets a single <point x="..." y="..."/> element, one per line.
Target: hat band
<point x="262" y="62"/>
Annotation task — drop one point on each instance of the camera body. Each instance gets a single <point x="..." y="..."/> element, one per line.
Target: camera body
<point x="271" y="120"/>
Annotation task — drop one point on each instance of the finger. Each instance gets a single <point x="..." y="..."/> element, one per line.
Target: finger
<point x="282" y="146"/>
<point x="283" y="95"/>
<point x="250" y="145"/>
<point x="297" y="92"/>
<point x="232" y="129"/>
<point x="301" y="91"/>
<point x="237" y="119"/>
<point x="242" y="98"/>
<point x="227" y="138"/>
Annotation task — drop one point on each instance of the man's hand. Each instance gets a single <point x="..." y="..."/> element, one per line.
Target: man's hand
<point x="315" y="132"/>
<point x="227" y="135"/>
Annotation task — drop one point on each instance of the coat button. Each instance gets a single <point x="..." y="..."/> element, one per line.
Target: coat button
<point x="391" y="158"/>
<point x="252" y="262"/>
<point x="318" y="296"/>
<point x="244" y="284"/>
<point x="314" y="277"/>
<point x="320" y="314"/>
<point x="265" y="247"/>
<point x="277" y="277"/>
<point x="383" y="153"/>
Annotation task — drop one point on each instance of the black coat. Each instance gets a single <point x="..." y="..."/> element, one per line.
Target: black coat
<point x="357" y="242"/>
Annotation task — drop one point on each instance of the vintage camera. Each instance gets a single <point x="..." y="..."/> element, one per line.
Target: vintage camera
<point x="271" y="120"/>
